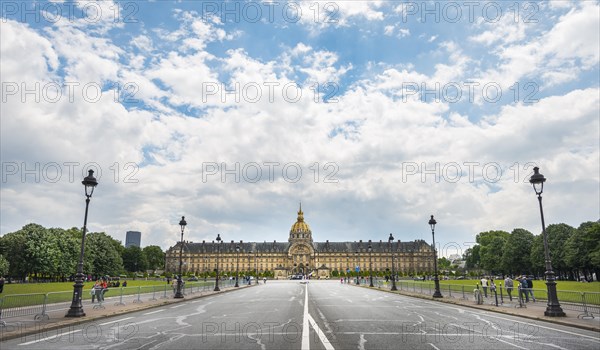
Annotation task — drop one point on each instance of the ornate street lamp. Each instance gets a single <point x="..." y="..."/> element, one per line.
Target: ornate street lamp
<point x="391" y="242"/>
<point x="370" y="266"/>
<point x="205" y="267"/>
<point x="256" y="266"/>
<point x="437" y="293"/>
<point x="347" y="265"/>
<point x="358" y="265"/>
<point x="553" y="308"/>
<point x="178" y="293"/>
<point x="76" y="309"/>
<point x="237" y="267"/>
<point x="249" y="267"/>
<point x="217" y="269"/>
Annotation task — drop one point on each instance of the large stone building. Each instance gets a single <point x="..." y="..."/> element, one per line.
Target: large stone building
<point x="300" y="255"/>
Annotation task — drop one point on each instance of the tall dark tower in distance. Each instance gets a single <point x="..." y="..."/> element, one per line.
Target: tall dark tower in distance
<point x="133" y="238"/>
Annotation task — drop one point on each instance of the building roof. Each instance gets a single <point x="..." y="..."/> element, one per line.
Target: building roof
<point x="300" y="226"/>
<point x="320" y="247"/>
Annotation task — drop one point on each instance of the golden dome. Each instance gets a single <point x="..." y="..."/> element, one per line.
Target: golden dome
<point x="300" y="226"/>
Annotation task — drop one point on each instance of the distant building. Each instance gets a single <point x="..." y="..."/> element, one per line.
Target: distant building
<point x="133" y="238"/>
<point x="300" y="255"/>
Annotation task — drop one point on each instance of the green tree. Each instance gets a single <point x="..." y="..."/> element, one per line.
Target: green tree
<point x="4" y="265"/>
<point x="492" y="245"/>
<point x="516" y="255"/>
<point x="471" y="257"/>
<point x="14" y="245"/>
<point x="558" y="234"/>
<point x="101" y="257"/>
<point x="66" y="249"/>
<point x="536" y="256"/>
<point x="444" y="264"/>
<point x="155" y="257"/>
<point x="582" y="250"/>
<point x="134" y="259"/>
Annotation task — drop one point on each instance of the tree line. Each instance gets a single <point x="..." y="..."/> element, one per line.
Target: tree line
<point x="574" y="252"/>
<point x="53" y="254"/>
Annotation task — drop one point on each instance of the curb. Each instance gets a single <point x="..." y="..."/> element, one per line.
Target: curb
<point x="494" y="309"/>
<point x="86" y="319"/>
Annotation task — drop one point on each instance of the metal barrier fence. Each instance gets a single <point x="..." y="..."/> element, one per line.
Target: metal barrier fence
<point x="587" y="303"/>
<point x="40" y="304"/>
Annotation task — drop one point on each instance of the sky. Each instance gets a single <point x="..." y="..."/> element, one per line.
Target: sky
<point x="373" y="114"/>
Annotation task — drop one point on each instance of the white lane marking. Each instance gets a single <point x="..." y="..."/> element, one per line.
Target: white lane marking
<point x="362" y="341"/>
<point x="537" y="325"/>
<point x="153" y="312"/>
<point x="320" y="333"/>
<point x="116" y="321"/>
<point x="71" y="332"/>
<point x="176" y="306"/>
<point x="433" y="346"/>
<point x="48" y="338"/>
<point x="509" y="343"/>
<point x="519" y="319"/>
<point x="305" y="338"/>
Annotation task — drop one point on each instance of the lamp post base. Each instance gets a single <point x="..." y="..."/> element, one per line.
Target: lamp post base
<point x="437" y="293"/>
<point x="75" y="312"/>
<point x="554" y="312"/>
<point x="76" y="309"/>
<point x="178" y="293"/>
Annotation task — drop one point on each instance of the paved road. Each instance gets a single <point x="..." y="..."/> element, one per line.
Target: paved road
<point x="319" y="315"/>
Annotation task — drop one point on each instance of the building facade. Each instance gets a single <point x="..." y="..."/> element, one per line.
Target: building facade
<point x="301" y="255"/>
<point x="133" y="238"/>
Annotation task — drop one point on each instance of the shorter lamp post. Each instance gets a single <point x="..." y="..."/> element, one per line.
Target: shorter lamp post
<point x="237" y="265"/>
<point x="76" y="309"/>
<point x="437" y="293"/>
<point x="256" y="266"/>
<point x="249" y="268"/>
<point x="205" y="267"/>
<point x="370" y="266"/>
<point x="358" y="266"/>
<point x="347" y="267"/>
<point x="553" y="308"/>
<point x="178" y="293"/>
<point x="391" y="241"/>
<point x="217" y="269"/>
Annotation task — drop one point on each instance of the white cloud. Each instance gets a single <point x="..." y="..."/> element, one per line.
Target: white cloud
<point x="372" y="134"/>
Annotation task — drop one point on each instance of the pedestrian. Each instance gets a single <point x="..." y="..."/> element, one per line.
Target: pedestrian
<point x="484" y="285"/>
<point x="264" y="280"/>
<point x="124" y="283"/>
<point x="508" y="283"/>
<point x="523" y="285"/>
<point x="174" y="283"/>
<point x="95" y="289"/>
<point x="104" y="289"/>
<point x="529" y="280"/>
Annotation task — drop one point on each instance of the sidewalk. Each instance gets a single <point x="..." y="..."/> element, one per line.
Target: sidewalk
<point x="26" y="325"/>
<point x="530" y="310"/>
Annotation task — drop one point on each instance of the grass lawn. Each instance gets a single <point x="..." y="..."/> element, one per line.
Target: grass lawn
<point x="61" y="292"/>
<point x="27" y="288"/>
<point x="567" y="290"/>
<point x="538" y="284"/>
